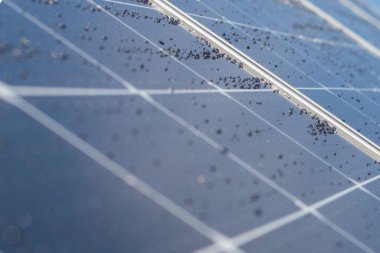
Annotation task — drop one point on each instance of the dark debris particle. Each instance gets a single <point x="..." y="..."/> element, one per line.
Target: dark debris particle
<point x="302" y="111"/>
<point x="143" y="2"/>
<point x="254" y="197"/>
<point x="290" y="112"/>
<point x="320" y="127"/>
<point x="258" y="211"/>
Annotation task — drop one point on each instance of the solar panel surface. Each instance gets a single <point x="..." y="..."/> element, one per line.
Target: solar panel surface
<point x="167" y="144"/>
<point x="329" y="73"/>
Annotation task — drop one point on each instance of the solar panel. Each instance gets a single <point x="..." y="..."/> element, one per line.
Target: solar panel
<point x="123" y="131"/>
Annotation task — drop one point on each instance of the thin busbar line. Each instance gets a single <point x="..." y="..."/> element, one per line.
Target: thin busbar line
<point x="365" y="44"/>
<point x="240" y="162"/>
<point x="57" y="91"/>
<point x="283" y="34"/>
<point x="36" y="91"/>
<point x="304" y="73"/>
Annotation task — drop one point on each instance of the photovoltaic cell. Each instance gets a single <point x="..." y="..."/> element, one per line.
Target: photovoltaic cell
<point x="30" y="57"/>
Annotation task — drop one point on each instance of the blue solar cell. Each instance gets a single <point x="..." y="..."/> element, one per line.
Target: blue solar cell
<point x="31" y="57"/>
<point x="55" y="199"/>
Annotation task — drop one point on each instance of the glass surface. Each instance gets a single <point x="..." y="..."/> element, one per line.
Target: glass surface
<point x="208" y="151"/>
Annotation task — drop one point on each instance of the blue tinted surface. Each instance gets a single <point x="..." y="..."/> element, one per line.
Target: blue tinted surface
<point x="358" y="214"/>
<point x="304" y="235"/>
<point x="209" y="174"/>
<point x="31" y="57"/>
<point x="347" y="17"/>
<point x="187" y="170"/>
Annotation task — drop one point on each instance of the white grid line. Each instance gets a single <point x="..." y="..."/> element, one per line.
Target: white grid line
<point x="211" y="142"/>
<point x="53" y="91"/>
